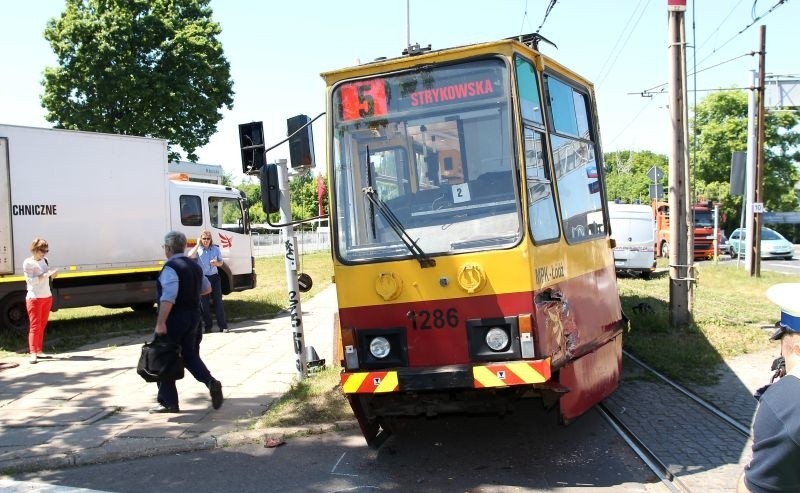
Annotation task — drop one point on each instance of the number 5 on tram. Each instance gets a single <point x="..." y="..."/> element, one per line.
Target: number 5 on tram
<point x="472" y="256"/>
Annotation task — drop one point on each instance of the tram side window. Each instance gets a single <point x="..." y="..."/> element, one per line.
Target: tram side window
<point x="574" y="162"/>
<point x="542" y="217"/>
<point x="541" y="208"/>
<point x="529" y="104"/>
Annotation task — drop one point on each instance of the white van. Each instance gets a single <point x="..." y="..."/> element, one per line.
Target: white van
<point x="633" y="230"/>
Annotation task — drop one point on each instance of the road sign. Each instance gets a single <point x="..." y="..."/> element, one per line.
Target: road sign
<point x="656" y="192"/>
<point x="758" y="207"/>
<point x="655" y="174"/>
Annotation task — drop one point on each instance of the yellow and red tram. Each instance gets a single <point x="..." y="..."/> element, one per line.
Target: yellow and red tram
<point x="472" y="255"/>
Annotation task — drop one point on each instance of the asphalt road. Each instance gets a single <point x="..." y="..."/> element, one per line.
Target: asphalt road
<point x="525" y="451"/>
<point x="791" y="267"/>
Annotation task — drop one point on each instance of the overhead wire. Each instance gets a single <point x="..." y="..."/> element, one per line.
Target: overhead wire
<point x="745" y="28"/>
<point x="524" y="17"/>
<point x="633" y="120"/>
<point x="714" y="32"/>
<point x="601" y="75"/>
<point x="649" y="92"/>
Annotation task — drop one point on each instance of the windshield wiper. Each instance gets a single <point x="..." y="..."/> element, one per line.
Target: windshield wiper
<point x="422" y="257"/>
<point x="376" y="203"/>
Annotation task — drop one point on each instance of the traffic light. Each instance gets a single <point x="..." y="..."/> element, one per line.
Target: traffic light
<point x="301" y="145"/>
<point x="251" y="140"/>
<point x="270" y="188"/>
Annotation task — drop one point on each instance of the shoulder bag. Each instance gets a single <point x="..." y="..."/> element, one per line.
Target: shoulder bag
<point x="160" y="360"/>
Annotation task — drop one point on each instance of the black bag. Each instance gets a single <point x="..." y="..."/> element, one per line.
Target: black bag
<point x="160" y="360"/>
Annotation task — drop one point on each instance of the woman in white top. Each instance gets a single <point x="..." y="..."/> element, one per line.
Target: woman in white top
<point x="39" y="300"/>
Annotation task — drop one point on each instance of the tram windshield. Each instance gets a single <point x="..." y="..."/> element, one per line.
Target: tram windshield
<point x="433" y="146"/>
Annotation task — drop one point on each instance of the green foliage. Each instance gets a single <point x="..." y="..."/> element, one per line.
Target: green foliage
<point x="721" y="129"/>
<point x="303" y="193"/>
<point x="316" y="400"/>
<point x="303" y="189"/>
<point x="728" y="312"/>
<point x="253" y="193"/>
<point x="626" y="175"/>
<point x="153" y="68"/>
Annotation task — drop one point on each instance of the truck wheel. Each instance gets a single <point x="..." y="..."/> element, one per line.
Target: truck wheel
<point x="13" y="313"/>
<point x="665" y="249"/>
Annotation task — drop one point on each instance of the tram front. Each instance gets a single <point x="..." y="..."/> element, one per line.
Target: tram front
<point x="437" y="280"/>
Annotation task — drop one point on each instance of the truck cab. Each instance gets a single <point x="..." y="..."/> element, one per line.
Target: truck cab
<point x="222" y="211"/>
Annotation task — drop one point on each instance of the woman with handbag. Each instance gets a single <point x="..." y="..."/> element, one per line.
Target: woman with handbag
<point x="38" y="299"/>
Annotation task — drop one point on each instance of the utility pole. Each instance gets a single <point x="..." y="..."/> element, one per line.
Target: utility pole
<point x="680" y="259"/>
<point x="759" y="192"/>
<point x="750" y="174"/>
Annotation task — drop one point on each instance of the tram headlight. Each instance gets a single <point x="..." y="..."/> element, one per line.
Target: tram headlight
<point x="379" y="347"/>
<point x="497" y="339"/>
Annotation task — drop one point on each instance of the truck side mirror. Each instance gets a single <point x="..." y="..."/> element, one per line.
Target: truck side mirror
<point x="270" y="191"/>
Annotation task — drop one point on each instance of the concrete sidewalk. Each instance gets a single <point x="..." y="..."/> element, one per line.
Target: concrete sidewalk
<point x="90" y="406"/>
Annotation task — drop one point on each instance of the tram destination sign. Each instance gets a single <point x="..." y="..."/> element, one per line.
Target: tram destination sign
<point x="379" y="97"/>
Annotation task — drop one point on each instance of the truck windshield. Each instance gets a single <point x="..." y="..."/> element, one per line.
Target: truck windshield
<point x="435" y="146"/>
<point x="703" y="219"/>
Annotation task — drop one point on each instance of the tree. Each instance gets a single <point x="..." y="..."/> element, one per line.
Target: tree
<point x="626" y="175"/>
<point x="720" y="127"/>
<point x="138" y="67"/>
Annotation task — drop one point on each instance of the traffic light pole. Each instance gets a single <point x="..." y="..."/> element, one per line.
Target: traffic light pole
<point x="290" y="248"/>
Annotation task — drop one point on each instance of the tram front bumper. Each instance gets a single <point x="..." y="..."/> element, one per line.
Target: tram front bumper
<point x="489" y="375"/>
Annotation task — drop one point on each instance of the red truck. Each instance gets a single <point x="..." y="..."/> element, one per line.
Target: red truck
<point x="703" y="220"/>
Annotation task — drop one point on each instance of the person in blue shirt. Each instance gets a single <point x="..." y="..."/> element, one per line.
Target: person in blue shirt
<point x="180" y="286"/>
<point x="209" y="256"/>
<point x="775" y="463"/>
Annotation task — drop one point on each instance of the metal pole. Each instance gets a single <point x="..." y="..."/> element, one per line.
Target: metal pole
<point x="747" y="207"/>
<point x="759" y="152"/>
<point x="716" y="233"/>
<point x="678" y="255"/>
<point x="290" y="247"/>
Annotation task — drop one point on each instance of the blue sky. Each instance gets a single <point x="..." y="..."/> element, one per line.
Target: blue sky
<point x="278" y="49"/>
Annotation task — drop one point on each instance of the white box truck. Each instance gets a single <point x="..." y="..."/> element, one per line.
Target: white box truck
<point x="104" y="202"/>
<point x="633" y="229"/>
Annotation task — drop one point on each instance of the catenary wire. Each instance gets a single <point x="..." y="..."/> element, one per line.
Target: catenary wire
<point x="602" y="75"/>
<point x="647" y="92"/>
<point x="745" y="28"/>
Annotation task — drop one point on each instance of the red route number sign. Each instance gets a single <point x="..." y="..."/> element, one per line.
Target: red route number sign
<point x="363" y="99"/>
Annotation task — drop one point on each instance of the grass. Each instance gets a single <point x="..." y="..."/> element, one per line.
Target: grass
<point x="71" y="328"/>
<point x="316" y="400"/>
<point x="729" y="313"/>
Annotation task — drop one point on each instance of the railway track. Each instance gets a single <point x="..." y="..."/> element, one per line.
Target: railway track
<point x="689" y="443"/>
